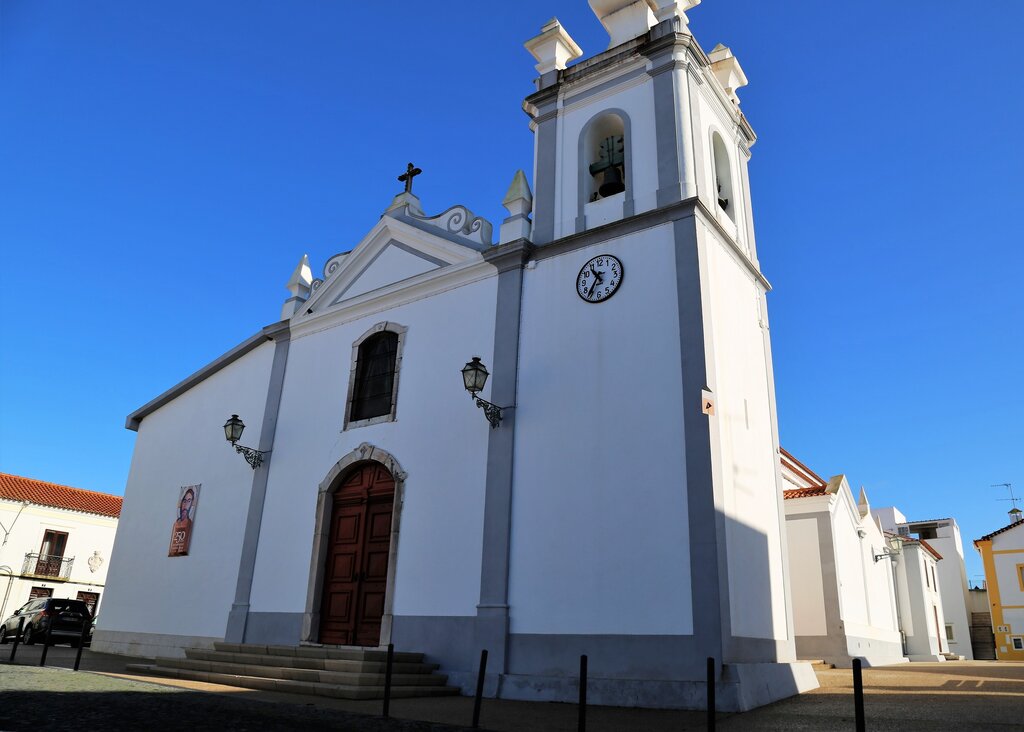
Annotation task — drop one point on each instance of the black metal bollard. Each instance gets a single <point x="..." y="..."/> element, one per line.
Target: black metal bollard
<point x="858" y="695"/>
<point x="17" y="640"/>
<point x="479" y="688"/>
<point x="387" y="679"/>
<point x="711" y="694"/>
<point x="581" y="724"/>
<point x="46" y="642"/>
<point x="86" y="624"/>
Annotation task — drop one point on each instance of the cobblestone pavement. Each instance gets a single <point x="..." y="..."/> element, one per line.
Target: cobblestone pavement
<point x="940" y="696"/>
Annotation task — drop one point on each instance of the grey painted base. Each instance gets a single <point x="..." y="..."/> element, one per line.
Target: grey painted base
<point x="279" y="629"/>
<point x="841" y="650"/>
<point x="148" y="645"/>
<point x="664" y="671"/>
<point x="742" y="687"/>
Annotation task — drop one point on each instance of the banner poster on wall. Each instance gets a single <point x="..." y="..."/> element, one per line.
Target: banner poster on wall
<point x="181" y="532"/>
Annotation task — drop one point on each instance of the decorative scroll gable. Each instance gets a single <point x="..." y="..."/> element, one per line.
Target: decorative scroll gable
<point x="458" y="224"/>
<point x="394" y="252"/>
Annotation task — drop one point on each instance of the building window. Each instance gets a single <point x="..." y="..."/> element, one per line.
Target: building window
<point x="1018" y="644"/>
<point x="926" y="583"/>
<point x="1020" y="576"/>
<point x="91" y="599"/>
<point x="949" y="632"/>
<point x="51" y="554"/>
<point x="36" y="592"/>
<point x="935" y="584"/>
<point x="373" y="378"/>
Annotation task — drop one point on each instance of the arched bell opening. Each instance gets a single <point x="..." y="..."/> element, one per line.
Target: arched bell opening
<point x="605" y="153"/>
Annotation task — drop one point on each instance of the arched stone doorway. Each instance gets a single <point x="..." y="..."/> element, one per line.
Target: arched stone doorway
<point x="352" y="569"/>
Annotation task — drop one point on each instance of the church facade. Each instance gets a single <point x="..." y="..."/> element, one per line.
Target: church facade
<point x="612" y="490"/>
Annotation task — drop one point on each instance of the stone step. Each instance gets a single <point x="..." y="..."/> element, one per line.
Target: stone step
<point x="337" y="691"/>
<point x="301" y="674"/>
<point x="320" y="664"/>
<point x="343" y="653"/>
<point x="818" y="663"/>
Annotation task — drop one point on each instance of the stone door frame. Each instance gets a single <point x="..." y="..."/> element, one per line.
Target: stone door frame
<point x="365" y="453"/>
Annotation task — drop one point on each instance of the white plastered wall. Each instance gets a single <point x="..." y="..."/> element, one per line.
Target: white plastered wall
<point x="805" y="574"/>
<point x="438" y="437"/>
<point x="600" y="540"/>
<point x="738" y="368"/>
<point x="182" y="443"/>
<point x="866" y="588"/>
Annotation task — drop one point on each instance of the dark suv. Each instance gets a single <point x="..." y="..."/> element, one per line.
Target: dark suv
<point x="66" y="616"/>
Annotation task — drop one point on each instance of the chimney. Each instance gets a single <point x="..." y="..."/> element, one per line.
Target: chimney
<point x="1015" y="515"/>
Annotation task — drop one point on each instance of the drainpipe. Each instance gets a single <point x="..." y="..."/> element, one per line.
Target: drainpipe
<point x="4" y="569"/>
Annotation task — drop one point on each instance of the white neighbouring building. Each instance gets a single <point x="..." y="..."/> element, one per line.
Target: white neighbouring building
<point x="628" y="504"/>
<point x="943" y="535"/>
<point x="55" y="541"/>
<point x="844" y="584"/>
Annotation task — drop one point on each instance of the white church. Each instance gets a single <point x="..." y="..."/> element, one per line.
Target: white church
<point x="612" y="488"/>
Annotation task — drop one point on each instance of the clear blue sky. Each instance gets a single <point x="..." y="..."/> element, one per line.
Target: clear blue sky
<point x="164" y="165"/>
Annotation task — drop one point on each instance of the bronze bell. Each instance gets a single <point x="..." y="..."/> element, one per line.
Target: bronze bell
<point x="612" y="182"/>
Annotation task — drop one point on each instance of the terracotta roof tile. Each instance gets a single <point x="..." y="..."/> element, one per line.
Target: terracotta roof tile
<point x="17" y="488"/>
<point x="799" y="468"/>
<point x="986" y="537"/>
<point x="821" y="490"/>
<point x="930" y="548"/>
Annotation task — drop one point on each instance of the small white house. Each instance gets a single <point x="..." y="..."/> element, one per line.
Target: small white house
<point x="921" y="613"/>
<point x="943" y="535"/>
<point x="56" y="541"/>
<point x="843" y="583"/>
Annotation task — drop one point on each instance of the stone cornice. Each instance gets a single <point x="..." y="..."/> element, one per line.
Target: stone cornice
<point x="275" y="332"/>
<point x="512" y="255"/>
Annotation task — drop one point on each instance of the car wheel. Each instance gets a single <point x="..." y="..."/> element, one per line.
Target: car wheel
<point x="27" y="637"/>
<point x="3" y="634"/>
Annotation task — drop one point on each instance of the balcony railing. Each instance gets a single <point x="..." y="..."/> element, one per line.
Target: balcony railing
<point x="46" y="565"/>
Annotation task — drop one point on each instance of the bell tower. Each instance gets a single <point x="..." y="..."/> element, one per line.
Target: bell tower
<point x="651" y="121"/>
<point x="647" y="493"/>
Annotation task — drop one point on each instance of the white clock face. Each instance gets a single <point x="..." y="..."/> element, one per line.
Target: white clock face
<point x="599" y="278"/>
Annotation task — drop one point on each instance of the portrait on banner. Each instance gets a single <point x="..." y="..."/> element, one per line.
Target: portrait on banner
<point x="181" y="532"/>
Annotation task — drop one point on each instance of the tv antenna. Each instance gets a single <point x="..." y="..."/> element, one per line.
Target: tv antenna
<point x="1008" y="486"/>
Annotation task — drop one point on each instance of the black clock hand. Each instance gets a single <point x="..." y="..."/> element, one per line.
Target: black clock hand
<point x="598" y="279"/>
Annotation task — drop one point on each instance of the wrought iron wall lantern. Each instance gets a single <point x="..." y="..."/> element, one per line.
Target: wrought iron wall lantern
<point x="233" y="433"/>
<point x="893" y="548"/>
<point x="474" y="376"/>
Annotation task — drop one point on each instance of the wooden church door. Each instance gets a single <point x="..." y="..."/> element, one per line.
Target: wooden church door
<point x="356" y="573"/>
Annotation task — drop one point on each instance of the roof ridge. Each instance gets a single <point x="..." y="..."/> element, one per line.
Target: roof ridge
<point x="60" y="485"/>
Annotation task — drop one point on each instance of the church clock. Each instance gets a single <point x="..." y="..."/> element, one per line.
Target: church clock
<point x="599" y="278"/>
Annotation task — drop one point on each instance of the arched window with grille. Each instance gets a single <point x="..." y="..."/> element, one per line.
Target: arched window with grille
<point x="373" y="381"/>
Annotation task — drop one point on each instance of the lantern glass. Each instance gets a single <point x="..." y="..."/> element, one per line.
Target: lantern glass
<point x="474" y="375"/>
<point x="233" y="429"/>
<point x="895" y="544"/>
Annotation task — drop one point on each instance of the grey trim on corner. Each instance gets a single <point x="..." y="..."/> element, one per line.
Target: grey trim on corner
<point x="492" y="621"/>
<point x="628" y="203"/>
<point x="235" y="631"/>
<point x="706" y="523"/>
<point x="544" y="184"/>
<point x="666" y="109"/>
<point x="268" y="333"/>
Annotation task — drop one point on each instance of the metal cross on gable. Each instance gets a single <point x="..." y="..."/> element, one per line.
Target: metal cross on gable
<point x="411" y="172"/>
